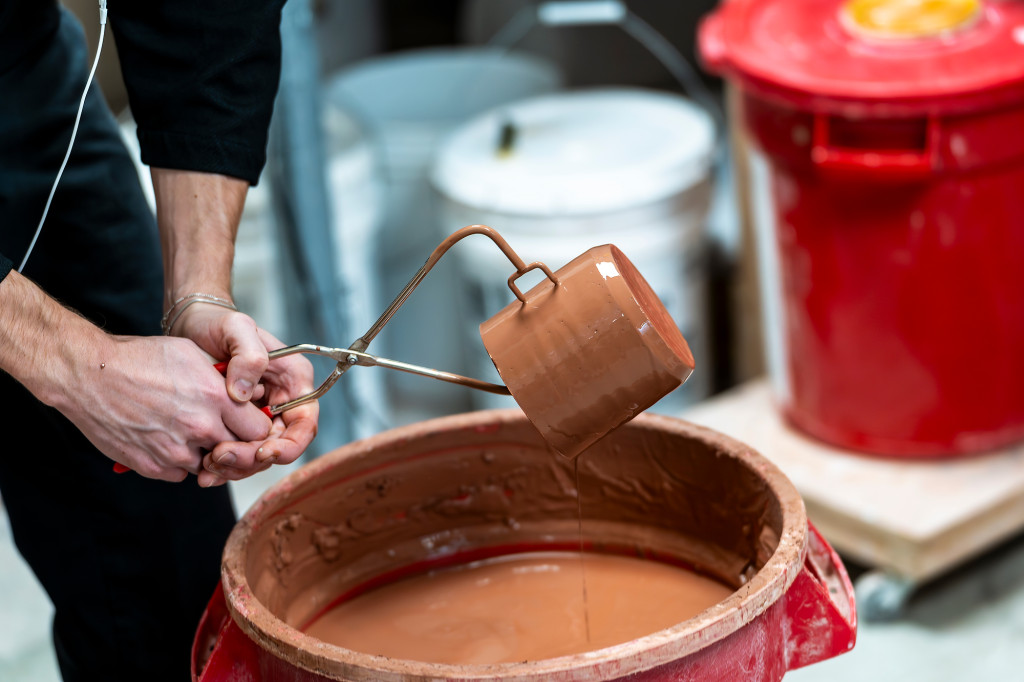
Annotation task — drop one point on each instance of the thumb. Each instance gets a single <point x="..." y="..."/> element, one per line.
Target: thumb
<point x="247" y="364"/>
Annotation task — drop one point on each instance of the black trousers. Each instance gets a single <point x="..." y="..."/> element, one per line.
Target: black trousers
<point x="128" y="562"/>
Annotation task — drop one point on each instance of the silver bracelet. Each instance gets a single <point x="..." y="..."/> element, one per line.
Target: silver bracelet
<point x="207" y="297"/>
<point x="168" y="324"/>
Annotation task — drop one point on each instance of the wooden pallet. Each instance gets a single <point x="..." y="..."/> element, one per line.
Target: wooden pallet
<point x="913" y="520"/>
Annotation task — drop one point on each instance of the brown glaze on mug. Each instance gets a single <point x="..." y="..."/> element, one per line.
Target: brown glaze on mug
<point x="585" y="356"/>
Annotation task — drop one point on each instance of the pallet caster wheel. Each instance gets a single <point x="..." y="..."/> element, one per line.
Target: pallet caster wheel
<point x="882" y="596"/>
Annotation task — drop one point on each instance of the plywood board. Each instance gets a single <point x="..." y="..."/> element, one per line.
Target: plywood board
<point x="913" y="518"/>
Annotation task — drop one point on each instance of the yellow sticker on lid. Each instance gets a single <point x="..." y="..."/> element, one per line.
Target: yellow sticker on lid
<point x="909" y="18"/>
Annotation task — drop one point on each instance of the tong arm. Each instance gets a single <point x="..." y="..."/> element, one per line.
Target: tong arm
<point x="348" y="357"/>
<point x="367" y="360"/>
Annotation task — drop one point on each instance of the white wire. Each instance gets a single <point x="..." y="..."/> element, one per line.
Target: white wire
<point x="74" y="133"/>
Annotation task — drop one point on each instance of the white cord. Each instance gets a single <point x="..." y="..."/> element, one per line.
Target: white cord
<point x="74" y="133"/>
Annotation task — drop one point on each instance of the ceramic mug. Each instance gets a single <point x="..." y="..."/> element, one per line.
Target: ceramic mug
<point x="587" y="349"/>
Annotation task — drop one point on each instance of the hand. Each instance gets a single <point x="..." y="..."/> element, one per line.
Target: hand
<point x="198" y="215"/>
<point x="223" y="333"/>
<point x="153" y="404"/>
<point x="157" y="405"/>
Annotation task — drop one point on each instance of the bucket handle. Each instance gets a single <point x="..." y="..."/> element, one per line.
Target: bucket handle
<point x="907" y="164"/>
<point x="820" y="606"/>
<point x="553" y="14"/>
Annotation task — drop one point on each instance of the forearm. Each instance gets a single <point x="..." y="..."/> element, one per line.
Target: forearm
<point x="43" y="345"/>
<point x="198" y="215"/>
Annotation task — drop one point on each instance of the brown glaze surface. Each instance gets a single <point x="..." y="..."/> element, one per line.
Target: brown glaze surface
<point x="523" y="607"/>
<point x="588" y="355"/>
<point x="466" y="487"/>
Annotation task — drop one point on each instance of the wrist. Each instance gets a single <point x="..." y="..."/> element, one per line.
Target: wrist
<point x="179" y="294"/>
<point x="198" y="215"/>
<point x="46" y="347"/>
<point x="179" y="305"/>
<point x="80" y="360"/>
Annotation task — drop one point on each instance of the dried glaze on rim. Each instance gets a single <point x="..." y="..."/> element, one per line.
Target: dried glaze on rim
<point x="767" y="586"/>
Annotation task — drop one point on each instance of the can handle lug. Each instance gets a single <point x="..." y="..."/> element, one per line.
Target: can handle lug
<point x="908" y="164"/>
<point x="220" y="650"/>
<point x="820" y="606"/>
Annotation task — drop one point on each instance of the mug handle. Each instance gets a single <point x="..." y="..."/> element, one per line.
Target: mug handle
<point x="536" y="265"/>
<point x="820" y="606"/>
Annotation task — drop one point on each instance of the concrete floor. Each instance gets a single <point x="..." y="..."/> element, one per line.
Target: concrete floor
<point x="967" y="625"/>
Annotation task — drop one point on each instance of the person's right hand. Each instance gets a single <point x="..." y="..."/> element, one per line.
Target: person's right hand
<point x="234" y="335"/>
<point x="157" y="405"/>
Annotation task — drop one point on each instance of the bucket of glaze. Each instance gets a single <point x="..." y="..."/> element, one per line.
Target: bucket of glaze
<point x="559" y="173"/>
<point x="886" y="175"/>
<point x="484" y="484"/>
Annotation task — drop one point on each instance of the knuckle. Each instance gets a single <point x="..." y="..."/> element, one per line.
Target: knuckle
<point x="189" y="428"/>
<point x="181" y="458"/>
<point x="150" y="469"/>
<point x="253" y="357"/>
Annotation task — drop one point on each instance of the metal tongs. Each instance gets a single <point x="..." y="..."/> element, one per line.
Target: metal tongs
<point x="348" y="357"/>
<point x="355" y="354"/>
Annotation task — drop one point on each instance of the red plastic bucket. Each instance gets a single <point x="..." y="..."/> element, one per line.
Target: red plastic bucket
<point x="456" y="489"/>
<point x="891" y="164"/>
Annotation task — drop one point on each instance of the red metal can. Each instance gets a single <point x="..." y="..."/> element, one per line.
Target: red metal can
<point x="888" y="168"/>
<point x="461" y="488"/>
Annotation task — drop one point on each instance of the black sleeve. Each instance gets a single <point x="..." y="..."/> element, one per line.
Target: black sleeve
<point x="201" y="78"/>
<point x="5" y="267"/>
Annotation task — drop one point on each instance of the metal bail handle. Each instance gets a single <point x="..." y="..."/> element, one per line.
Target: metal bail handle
<point x="521" y="268"/>
<point x="536" y="265"/>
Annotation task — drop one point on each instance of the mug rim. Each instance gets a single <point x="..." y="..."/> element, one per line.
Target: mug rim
<point x="638" y="300"/>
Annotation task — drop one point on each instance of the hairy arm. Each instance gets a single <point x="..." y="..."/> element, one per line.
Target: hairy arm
<point x="153" y="404"/>
<point x="198" y="215"/>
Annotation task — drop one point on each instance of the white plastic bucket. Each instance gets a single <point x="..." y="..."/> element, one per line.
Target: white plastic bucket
<point x="356" y="199"/>
<point x="407" y="103"/>
<point x="610" y="165"/>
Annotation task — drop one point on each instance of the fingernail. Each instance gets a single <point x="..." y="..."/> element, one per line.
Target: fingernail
<point x="226" y="459"/>
<point x="243" y="390"/>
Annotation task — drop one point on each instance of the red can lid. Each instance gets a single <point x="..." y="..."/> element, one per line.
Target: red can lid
<point x="930" y="55"/>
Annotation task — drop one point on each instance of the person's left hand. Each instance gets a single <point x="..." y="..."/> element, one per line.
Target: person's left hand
<point x="226" y="334"/>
